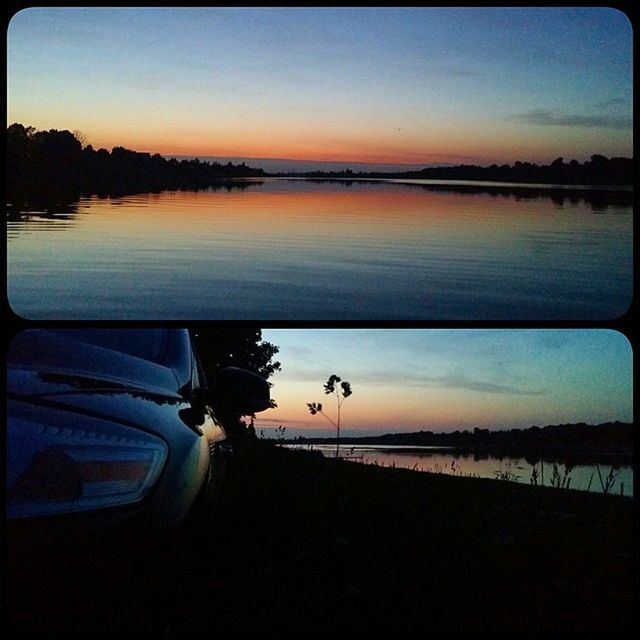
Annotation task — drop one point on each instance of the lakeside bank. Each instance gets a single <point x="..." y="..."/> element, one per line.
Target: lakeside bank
<point x="307" y="544"/>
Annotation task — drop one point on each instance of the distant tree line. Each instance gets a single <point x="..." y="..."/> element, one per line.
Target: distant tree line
<point x="615" y="438"/>
<point x="55" y="162"/>
<point x="599" y="197"/>
<point x="599" y="170"/>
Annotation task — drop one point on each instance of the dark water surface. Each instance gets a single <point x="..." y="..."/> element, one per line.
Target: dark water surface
<point x="294" y="249"/>
<point x="605" y="477"/>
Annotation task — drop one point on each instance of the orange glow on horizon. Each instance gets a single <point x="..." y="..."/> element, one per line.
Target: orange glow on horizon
<point x="436" y="156"/>
<point x="295" y="152"/>
<point x="354" y="142"/>
<point x="388" y="409"/>
<point x="365" y="145"/>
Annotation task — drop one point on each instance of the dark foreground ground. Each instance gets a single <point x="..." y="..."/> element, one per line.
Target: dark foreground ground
<point x="292" y="542"/>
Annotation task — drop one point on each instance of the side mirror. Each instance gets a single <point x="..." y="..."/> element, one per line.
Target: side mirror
<point x="240" y="392"/>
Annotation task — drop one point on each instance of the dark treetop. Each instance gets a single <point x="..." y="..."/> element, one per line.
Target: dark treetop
<point x="54" y="164"/>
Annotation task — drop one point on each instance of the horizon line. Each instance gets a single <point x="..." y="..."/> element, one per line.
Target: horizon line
<point x="430" y="165"/>
<point x="283" y="159"/>
<point x="460" y="430"/>
<point x="479" y="162"/>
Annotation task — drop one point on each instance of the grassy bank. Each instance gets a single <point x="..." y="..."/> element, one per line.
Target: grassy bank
<point x="291" y="542"/>
<point x="308" y="544"/>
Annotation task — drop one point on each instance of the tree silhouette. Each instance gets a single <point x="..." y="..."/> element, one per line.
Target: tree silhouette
<point x="245" y="348"/>
<point x="80" y="136"/>
<point x="219" y="348"/>
<point x="61" y="163"/>
<point x="600" y="170"/>
<point x="341" y="391"/>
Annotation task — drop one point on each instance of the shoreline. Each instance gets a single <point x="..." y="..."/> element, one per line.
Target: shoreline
<point x="435" y="182"/>
<point x="599" y="197"/>
<point x="456" y="554"/>
<point x="544" y="453"/>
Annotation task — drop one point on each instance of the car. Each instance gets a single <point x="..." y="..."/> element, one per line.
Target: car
<point x="113" y="445"/>
<point x="117" y="420"/>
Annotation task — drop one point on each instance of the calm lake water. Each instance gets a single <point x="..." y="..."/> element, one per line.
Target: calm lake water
<point x="583" y="477"/>
<point x="294" y="249"/>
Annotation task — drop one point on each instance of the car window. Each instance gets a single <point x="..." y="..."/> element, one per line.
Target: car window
<point x="148" y="344"/>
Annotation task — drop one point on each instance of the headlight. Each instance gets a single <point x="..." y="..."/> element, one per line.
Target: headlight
<point x="57" y="466"/>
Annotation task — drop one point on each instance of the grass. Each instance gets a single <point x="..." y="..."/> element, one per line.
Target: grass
<point x="291" y="542"/>
<point x="316" y="545"/>
<point x="609" y="480"/>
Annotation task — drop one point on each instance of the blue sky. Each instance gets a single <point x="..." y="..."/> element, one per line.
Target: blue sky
<point x="442" y="380"/>
<point x="403" y="85"/>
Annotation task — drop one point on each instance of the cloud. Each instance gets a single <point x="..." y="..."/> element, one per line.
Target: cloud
<point x="458" y="380"/>
<point x="262" y="420"/>
<point x="462" y="382"/>
<point x="612" y="102"/>
<point x="412" y="379"/>
<point x="553" y="118"/>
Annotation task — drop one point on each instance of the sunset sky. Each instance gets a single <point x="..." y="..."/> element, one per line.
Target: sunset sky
<point x="408" y="85"/>
<point x="443" y="380"/>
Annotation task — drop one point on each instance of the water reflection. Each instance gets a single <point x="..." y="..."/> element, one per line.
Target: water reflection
<point x="599" y="199"/>
<point x="66" y="206"/>
<point x="613" y="477"/>
<point x="278" y="250"/>
<point x="27" y="212"/>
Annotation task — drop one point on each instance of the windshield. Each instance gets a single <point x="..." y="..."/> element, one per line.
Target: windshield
<point x="148" y="344"/>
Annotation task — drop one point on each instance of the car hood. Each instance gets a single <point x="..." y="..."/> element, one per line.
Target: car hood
<point x="44" y="365"/>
